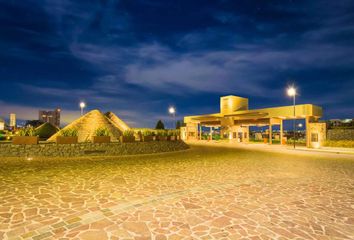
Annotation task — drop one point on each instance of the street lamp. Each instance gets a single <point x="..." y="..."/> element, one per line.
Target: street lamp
<point x="82" y="106"/>
<point x="292" y="93"/>
<point x="172" y="111"/>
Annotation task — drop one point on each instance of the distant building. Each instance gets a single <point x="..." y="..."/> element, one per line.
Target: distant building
<point x="52" y="117"/>
<point x="335" y="122"/>
<point x="2" y="124"/>
<point x="12" y="120"/>
<point x="340" y="123"/>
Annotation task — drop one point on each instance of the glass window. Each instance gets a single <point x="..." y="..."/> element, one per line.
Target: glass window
<point x="314" y="137"/>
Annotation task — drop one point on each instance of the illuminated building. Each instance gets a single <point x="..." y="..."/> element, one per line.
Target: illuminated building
<point x="52" y="117"/>
<point x="12" y="120"/>
<point x="234" y="120"/>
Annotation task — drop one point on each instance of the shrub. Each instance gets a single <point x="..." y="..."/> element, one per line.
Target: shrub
<point x="161" y="133"/>
<point x="147" y="133"/>
<point x="100" y="132"/>
<point x="173" y="133"/>
<point x="339" y="143"/>
<point x="128" y="133"/>
<point x="70" y="132"/>
<point x="27" y="131"/>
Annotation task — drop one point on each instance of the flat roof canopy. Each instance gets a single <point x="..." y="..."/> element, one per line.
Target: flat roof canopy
<point x="284" y="112"/>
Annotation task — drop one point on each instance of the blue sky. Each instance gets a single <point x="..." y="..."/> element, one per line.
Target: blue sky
<point x="136" y="58"/>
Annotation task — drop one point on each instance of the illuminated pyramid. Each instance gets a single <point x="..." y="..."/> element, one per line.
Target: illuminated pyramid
<point x="119" y="123"/>
<point x="87" y="125"/>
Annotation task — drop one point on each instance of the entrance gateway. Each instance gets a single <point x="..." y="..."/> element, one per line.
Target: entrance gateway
<point x="235" y="119"/>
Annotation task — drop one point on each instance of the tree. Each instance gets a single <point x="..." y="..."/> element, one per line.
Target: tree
<point x="160" y="125"/>
<point x="178" y="124"/>
<point x="33" y="123"/>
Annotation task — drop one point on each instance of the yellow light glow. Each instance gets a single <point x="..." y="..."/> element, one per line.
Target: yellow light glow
<point x="291" y="91"/>
<point x="82" y="105"/>
<point x="316" y="145"/>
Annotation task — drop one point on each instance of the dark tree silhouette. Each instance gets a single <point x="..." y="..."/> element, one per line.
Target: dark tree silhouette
<point x="160" y="125"/>
<point x="178" y="124"/>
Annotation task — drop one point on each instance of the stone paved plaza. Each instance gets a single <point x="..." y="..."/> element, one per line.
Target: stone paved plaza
<point x="203" y="193"/>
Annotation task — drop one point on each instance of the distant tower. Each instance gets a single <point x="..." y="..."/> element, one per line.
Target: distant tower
<point x="52" y="117"/>
<point x="2" y="124"/>
<point x="12" y="120"/>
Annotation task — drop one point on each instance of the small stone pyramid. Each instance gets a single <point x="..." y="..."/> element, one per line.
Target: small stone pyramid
<point x="46" y="130"/>
<point x="119" y="123"/>
<point x="87" y="125"/>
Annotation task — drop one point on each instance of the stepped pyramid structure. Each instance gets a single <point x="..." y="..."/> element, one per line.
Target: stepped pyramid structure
<point x="87" y="125"/>
<point x="119" y="123"/>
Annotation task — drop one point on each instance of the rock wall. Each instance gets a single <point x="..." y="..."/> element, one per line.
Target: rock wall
<point x="89" y="149"/>
<point x="340" y="134"/>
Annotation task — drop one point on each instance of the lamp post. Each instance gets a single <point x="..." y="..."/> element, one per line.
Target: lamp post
<point x="292" y="93"/>
<point x="82" y="106"/>
<point x="172" y="111"/>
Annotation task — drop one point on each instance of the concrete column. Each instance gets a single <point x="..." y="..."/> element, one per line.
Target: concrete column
<point x="200" y="131"/>
<point x="270" y="133"/>
<point x="187" y="134"/>
<point x="308" y="133"/>
<point x="211" y="133"/>
<point x="281" y="132"/>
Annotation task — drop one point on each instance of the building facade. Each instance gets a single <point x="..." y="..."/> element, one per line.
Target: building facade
<point x="52" y="117"/>
<point x="2" y="124"/>
<point x="235" y="118"/>
<point x="12" y="120"/>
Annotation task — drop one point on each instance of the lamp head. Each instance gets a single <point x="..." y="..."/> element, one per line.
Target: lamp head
<point x="171" y="110"/>
<point x="291" y="91"/>
<point x="82" y="105"/>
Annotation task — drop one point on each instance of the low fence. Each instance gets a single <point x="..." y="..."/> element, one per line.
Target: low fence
<point x="340" y="134"/>
<point x="87" y="149"/>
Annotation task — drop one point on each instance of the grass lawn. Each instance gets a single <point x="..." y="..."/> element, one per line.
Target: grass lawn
<point x="207" y="191"/>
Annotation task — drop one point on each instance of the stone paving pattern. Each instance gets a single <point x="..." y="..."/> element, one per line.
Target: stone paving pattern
<point x="201" y="193"/>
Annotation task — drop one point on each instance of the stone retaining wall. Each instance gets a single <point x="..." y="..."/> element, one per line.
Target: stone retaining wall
<point x="340" y="134"/>
<point x="89" y="149"/>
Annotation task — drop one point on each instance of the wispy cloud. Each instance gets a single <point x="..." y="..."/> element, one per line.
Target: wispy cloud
<point x="136" y="57"/>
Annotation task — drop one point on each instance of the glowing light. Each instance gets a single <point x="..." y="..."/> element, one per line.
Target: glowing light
<point x="300" y="125"/>
<point x="82" y="106"/>
<point x="172" y="110"/>
<point x="291" y="91"/>
<point x="29" y="158"/>
<point x="316" y="145"/>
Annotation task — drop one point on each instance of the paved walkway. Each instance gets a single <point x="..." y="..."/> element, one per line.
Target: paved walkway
<point x="204" y="193"/>
<point x="274" y="148"/>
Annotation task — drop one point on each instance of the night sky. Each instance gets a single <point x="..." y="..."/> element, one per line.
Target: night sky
<point x="136" y="58"/>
